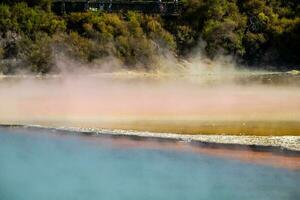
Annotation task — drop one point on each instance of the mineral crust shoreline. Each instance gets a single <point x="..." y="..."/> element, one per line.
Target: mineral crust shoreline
<point x="283" y="144"/>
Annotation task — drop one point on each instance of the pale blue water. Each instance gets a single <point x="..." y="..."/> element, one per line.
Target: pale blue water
<point x="40" y="167"/>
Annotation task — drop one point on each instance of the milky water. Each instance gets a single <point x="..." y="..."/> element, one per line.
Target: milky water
<point x="38" y="165"/>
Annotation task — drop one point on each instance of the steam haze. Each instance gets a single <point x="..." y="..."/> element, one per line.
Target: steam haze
<point x="196" y="94"/>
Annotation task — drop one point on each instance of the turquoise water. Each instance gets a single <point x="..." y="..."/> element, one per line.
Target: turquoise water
<point x="36" y="165"/>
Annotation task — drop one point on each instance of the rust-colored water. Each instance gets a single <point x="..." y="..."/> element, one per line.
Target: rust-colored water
<point x="273" y="159"/>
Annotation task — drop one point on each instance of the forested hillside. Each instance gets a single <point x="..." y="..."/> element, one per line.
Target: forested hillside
<point x="257" y="33"/>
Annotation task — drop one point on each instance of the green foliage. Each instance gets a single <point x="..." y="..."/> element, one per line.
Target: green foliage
<point x="155" y="30"/>
<point x="31" y="20"/>
<point x="25" y="20"/>
<point x="132" y="37"/>
<point x="258" y="31"/>
<point x="219" y="23"/>
<point x="36" y="55"/>
<point x="25" y="35"/>
<point x="80" y="48"/>
<point x="88" y="36"/>
<point x="6" y="23"/>
<point x="44" y="4"/>
<point x="270" y="36"/>
<point x="255" y="31"/>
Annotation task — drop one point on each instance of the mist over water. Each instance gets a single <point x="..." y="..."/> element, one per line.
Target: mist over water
<point x="207" y="92"/>
<point x="159" y="92"/>
<point x="209" y="98"/>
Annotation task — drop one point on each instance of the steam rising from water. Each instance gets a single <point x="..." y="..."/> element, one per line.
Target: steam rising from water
<point x="190" y="93"/>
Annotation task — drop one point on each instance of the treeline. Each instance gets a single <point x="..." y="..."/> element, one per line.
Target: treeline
<point x="256" y="32"/>
<point x="31" y="37"/>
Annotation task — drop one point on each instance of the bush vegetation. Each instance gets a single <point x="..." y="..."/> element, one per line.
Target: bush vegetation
<point x="257" y="32"/>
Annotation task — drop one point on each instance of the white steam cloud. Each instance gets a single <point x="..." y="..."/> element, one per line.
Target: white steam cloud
<point x="181" y="96"/>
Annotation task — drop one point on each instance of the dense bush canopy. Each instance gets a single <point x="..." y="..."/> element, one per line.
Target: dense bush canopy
<point x="257" y="32"/>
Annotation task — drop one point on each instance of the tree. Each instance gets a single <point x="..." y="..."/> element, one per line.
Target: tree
<point x="44" y="4"/>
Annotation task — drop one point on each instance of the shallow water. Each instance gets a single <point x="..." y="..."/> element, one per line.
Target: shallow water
<point x="39" y="165"/>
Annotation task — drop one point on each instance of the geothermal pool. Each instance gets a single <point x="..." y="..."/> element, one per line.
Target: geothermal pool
<point x="42" y="164"/>
<point x="231" y="103"/>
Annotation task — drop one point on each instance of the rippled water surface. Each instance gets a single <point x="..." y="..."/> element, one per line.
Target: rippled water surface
<point x="38" y="165"/>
